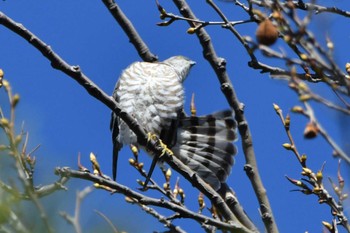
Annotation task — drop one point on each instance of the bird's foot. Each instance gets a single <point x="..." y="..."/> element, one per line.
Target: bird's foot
<point x="165" y="150"/>
<point x="164" y="147"/>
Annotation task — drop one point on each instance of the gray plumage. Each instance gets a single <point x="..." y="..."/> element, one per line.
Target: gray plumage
<point x="154" y="95"/>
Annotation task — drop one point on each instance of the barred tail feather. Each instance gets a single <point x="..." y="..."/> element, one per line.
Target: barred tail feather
<point x="204" y="144"/>
<point x="219" y="131"/>
<point x="206" y="151"/>
<point x="225" y="118"/>
<point x="209" y="160"/>
<point x="212" y="155"/>
<point x="205" y="173"/>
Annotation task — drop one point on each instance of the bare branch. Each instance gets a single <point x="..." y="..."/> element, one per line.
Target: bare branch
<point x="74" y="220"/>
<point x="338" y="151"/>
<point x="130" y="31"/>
<point x="51" y="188"/>
<point x="219" y="66"/>
<point x="142" y="199"/>
<point x="162" y="219"/>
<point x="320" y="9"/>
<point x="315" y="180"/>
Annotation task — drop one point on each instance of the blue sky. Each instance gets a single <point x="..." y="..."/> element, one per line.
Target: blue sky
<point x="61" y="117"/>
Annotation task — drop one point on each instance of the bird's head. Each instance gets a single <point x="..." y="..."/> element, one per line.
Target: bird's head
<point x="181" y="64"/>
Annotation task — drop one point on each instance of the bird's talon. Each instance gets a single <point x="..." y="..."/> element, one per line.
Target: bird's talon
<point x="151" y="136"/>
<point x="165" y="149"/>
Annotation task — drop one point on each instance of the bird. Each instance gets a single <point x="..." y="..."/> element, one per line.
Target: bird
<point x="153" y="94"/>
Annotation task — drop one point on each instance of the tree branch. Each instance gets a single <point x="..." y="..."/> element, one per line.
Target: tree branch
<point x="145" y="200"/>
<point x="130" y="31"/>
<point x="74" y="220"/>
<point x="219" y="66"/>
<point x="309" y="7"/>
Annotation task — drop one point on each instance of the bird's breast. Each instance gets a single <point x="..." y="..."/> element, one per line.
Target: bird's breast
<point x="152" y="98"/>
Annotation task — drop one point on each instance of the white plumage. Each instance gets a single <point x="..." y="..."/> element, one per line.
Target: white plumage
<point x="153" y="94"/>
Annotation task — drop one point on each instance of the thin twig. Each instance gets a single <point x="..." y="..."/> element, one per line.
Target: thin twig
<point x="108" y="221"/>
<point x="74" y="220"/>
<point x="40" y="192"/>
<point x="157" y="187"/>
<point x="315" y="180"/>
<point x="167" y="223"/>
<point x="325" y="135"/>
<point x="16" y="223"/>
<point x="320" y="9"/>
<point x="24" y="174"/>
<point x="317" y="9"/>
<point x="286" y="123"/>
<point x="328" y="103"/>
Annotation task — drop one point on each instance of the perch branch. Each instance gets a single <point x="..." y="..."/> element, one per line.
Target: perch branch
<point x="145" y="200"/>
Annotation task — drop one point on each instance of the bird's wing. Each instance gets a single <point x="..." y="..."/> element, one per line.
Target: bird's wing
<point x="205" y="144"/>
